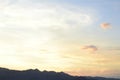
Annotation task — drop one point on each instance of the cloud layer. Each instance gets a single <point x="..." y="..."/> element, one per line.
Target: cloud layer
<point x="29" y="24"/>
<point x="43" y="15"/>
<point x="26" y="27"/>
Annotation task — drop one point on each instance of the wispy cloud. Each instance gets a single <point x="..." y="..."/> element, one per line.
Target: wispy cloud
<point x="90" y="48"/>
<point x="31" y="23"/>
<point x="36" y="15"/>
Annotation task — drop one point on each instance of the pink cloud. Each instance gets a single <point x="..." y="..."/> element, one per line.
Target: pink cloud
<point x="105" y="25"/>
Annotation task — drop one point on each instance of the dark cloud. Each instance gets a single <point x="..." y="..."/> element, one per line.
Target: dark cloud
<point x="90" y="48"/>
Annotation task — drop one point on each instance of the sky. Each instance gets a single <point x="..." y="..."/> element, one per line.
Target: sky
<point x="79" y="37"/>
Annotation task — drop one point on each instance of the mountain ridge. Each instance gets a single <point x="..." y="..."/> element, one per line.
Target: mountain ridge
<point x="36" y="74"/>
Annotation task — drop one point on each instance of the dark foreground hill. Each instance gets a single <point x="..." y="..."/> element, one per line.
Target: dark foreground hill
<point x="6" y="74"/>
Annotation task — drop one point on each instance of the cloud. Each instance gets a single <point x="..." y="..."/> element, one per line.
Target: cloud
<point x="90" y="48"/>
<point x="105" y="25"/>
<point x="26" y="26"/>
<point x="33" y="15"/>
<point x="29" y="24"/>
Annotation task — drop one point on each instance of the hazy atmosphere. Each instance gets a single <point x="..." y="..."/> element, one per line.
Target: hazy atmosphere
<point x="79" y="37"/>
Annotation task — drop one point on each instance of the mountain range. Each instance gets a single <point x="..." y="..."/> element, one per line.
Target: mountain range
<point x="35" y="74"/>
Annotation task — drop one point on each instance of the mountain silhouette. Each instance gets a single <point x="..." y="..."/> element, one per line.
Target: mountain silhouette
<point x="35" y="74"/>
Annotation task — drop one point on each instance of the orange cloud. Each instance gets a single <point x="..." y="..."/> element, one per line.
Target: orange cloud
<point x="91" y="48"/>
<point x="105" y="25"/>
